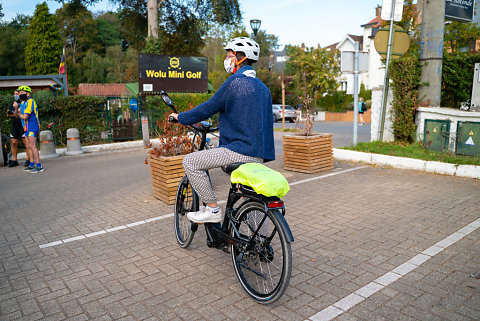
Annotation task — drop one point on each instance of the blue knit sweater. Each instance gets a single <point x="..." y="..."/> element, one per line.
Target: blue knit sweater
<point x="245" y="112"/>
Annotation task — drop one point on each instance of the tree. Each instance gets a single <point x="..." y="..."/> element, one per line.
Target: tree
<point x="267" y="42"/>
<point x="459" y="36"/>
<point x="13" y="39"/>
<point x="114" y="64"/>
<point x="133" y="24"/>
<point x="314" y="70"/>
<point x="79" y="30"/>
<point x="108" y="26"/>
<point x="181" y="32"/>
<point x="130" y="64"/>
<point x="44" y="46"/>
<point x="93" y="66"/>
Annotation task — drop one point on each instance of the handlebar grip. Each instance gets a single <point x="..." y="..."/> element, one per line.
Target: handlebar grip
<point x="172" y="119"/>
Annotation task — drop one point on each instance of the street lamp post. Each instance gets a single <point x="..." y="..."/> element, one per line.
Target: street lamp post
<point x="255" y="25"/>
<point x="269" y="66"/>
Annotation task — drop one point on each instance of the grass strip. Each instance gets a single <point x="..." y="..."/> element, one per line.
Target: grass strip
<point x="416" y="151"/>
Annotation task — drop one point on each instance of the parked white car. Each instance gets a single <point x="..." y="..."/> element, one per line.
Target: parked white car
<point x="290" y="113"/>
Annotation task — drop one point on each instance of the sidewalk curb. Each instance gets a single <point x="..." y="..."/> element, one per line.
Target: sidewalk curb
<point x="100" y="148"/>
<point x="470" y="171"/>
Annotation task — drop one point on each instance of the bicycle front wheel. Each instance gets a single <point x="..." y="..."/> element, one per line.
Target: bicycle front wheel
<point x="184" y="203"/>
<point x="264" y="267"/>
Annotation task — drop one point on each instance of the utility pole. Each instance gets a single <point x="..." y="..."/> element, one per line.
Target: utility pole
<point x="386" y="80"/>
<point x="433" y="19"/>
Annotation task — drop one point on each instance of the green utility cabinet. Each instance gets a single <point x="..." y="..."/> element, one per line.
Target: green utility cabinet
<point x="468" y="138"/>
<point x="436" y="134"/>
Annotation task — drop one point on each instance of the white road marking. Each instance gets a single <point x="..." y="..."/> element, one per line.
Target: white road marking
<point x="158" y="218"/>
<point x="361" y="294"/>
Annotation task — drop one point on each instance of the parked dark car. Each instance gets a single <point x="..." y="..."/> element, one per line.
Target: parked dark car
<point x="290" y="113"/>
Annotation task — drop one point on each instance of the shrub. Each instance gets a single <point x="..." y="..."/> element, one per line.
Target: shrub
<point x="155" y="109"/>
<point x="457" y="76"/>
<point x="405" y="76"/>
<point x="86" y="113"/>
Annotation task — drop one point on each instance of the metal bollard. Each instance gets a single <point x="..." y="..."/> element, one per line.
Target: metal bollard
<point x="47" y="146"/>
<point x="73" y="142"/>
<point x="146" y="137"/>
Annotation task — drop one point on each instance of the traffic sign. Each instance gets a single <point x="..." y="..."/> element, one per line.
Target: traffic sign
<point x="347" y="61"/>
<point x="401" y="42"/>
<point x="387" y="10"/>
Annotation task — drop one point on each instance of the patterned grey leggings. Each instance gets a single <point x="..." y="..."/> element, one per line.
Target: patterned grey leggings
<point x="196" y="164"/>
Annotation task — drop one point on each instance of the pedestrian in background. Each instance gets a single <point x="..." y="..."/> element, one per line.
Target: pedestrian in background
<point x="362" y="107"/>
<point x="31" y="126"/>
<point x="16" y="131"/>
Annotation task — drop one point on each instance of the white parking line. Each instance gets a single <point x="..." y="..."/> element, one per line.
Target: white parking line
<point x="157" y="218"/>
<point x="361" y="294"/>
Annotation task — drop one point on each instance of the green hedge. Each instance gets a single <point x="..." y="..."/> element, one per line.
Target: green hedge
<point x="457" y="77"/>
<point x="155" y="108"/>
<point x="82" y="112"/>
<point x="87" y="113"/>
<point x="405" y="75"/>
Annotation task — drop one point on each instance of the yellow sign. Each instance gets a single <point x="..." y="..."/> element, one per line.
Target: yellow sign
<point x="401" y="42"/>
<point x="173" y="74"/>
<point x="435" y="130"/>
<point x="470" y="133"/>
<point x="174" y="62"/>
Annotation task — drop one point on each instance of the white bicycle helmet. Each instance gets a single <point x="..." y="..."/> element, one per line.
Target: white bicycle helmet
<point x="246" y="45"/>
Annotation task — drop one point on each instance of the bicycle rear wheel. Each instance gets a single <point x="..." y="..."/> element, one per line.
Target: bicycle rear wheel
<point x="264" y="268"/>
<point x="184" y="203"/>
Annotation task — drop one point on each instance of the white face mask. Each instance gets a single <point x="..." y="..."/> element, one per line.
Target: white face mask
<point x="229" y="64"/>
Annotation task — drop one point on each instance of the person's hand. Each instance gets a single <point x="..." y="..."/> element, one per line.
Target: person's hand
<point x="173" y="118"/>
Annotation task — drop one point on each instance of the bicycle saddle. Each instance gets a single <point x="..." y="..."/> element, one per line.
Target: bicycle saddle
<point x="231" y="167"/>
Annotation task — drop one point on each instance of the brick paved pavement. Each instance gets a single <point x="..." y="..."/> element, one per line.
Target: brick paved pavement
<point x="349" y="229"/>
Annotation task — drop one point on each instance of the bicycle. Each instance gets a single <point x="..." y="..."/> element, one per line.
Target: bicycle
<point x="6" y="149"/>
<point x="254" y="232"/>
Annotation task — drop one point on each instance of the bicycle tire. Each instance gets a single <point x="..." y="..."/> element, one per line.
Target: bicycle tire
<point x="185" y="201"/>
<point x="263" y="271"/>
<point x="6" y="149"/>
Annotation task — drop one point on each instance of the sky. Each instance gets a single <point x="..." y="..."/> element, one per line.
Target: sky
<point x="295" y="22"/>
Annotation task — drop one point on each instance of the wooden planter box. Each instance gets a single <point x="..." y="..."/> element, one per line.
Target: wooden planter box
<point x="166" y="173"/>
<point x="308" y="154"/>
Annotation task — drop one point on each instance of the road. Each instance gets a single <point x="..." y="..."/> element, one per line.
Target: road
<point x="85" y="240"/>
<point x="342" y="131"/>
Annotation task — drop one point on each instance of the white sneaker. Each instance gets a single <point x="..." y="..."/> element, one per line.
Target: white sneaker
<point x="205" y="216"/>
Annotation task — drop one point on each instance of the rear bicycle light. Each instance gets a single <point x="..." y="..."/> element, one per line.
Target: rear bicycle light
<point x="275" y="204"/>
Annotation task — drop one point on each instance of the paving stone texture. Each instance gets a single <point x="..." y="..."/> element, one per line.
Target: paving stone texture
<point x="349" y="229"/>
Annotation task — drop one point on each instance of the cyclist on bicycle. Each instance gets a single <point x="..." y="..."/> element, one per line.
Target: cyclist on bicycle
<point x="244" y="105"/>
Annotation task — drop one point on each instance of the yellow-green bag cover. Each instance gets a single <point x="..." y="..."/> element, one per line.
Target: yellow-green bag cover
<point x="262" y="179"/>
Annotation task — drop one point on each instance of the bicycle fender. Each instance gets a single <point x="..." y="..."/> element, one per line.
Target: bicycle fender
<point x="284" y="225"/>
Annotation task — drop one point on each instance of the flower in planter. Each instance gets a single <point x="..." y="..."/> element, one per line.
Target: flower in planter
<point x="174" y="141"/>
